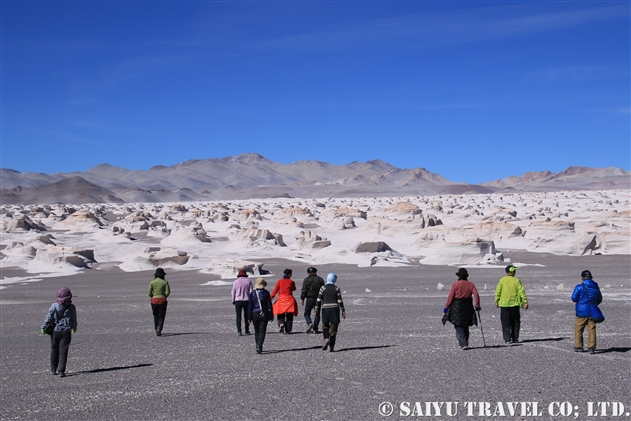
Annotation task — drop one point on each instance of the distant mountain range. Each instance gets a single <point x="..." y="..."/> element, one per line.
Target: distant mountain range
<point x="253" y="176"/>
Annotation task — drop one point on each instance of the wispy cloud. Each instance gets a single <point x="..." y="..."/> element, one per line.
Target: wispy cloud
<point x="577" y="73"/>
<point x="436" y="29"/>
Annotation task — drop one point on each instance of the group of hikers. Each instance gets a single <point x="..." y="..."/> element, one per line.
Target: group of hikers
<point x="254" y="306"/>
<point x="463" y="303"/>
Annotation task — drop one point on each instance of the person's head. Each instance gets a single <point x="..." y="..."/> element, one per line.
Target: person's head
<point x="312" y="271"/>
<point x="64" y="296"/>
<point x="160" y="273"/>
<point x="260" y="283"/>
<point x="242" y="274"/>
<point x="511" y="269"/>
<point x="462" y="273"/>
<point x="331" y="278"/>
<point x="586" y="274"/>
<point x="287" y="273"/>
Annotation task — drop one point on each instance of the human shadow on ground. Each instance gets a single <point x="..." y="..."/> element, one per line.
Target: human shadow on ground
<point x="614" y="349"/>
<point x="293" y="349"/>
<point x="183" y="333"/>
<point x="544" y="340"/>
<point x="362" y="348"/>
<point x="485" y="347"/>
<point x="101" y="370"/>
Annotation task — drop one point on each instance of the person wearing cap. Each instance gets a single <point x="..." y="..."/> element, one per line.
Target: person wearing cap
<point x="460" y="307"/>
<point x="241" y="289"/>
<point x="260" y="312"/>
<point x="510" y="296"/>
<point x="585" y="294"/>
<point x="330" y="302"/>
<point x="64" y="314"/>
<point x="159" y="290"/>
<point x="285" y="307"/>
<point x="310" y="289"/>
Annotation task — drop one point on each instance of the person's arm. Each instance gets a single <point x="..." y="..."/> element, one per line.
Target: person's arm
<point x="73" y="318"/>
<point x="476" y="296"/>
<point x="318" y="303"/>
<point x="450" y="297"/>
<point x="576" y="294"/>
<point x="340" y="302"/>
<point x="522" y="294"/>
<point x="150" y="290"/>
<point x="303" y="290"/>
<point x="250" y="306"/>
<point x="233" y="293"/>
<point x="498" y="293"/>
<point x="167" y="289"/>
<point x="49" y="315"/>
<point x="275" y="290"/>
<point x="292" y="286"/>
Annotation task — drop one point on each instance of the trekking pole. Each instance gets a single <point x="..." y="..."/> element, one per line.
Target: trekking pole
<point x="481" y="329"/>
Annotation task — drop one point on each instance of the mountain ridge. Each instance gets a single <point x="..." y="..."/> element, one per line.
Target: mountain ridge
<point x="252" y="175"/>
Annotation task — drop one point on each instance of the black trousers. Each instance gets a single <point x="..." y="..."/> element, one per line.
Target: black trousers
<point x="462" y="334"/>
<point x="260" y="328"/>
<point x="286" y="319"/>
<point x="59" y="345"/>
<point x="311" y="302"/>
<point x="511" y="322"/>
<point x="241" y="307"/>
<point x="159" y="311"/>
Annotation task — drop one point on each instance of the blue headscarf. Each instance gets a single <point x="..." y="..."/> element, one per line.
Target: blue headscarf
<point x="331" y="278"/>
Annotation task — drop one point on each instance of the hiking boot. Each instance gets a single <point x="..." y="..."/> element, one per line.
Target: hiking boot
<point x="259" y="351"/>
<point x="326" y="346"/>
<point x="592" y="350"/>
<point x="281" y="329"/>
<point x="579" y="350"/>
<point x="62" y="374"/>
<point x="158" y="332"/>
<point x="247" y="332"/>
<point x="310" y="328"/>
<point x="53" y="372"/>
<point x="331" y="343"/>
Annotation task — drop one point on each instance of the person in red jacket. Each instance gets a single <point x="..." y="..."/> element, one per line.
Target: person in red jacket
<point x="286" y="307"/>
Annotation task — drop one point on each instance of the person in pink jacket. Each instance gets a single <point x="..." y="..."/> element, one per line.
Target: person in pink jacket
<point x="241" y="289"/>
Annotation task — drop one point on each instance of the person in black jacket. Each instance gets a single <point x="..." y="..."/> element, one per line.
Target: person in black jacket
<point x="260" y="312"/>
<point x="330" y="301"/>
<point x="460" y="308"/>
<point x="310" y="289"/>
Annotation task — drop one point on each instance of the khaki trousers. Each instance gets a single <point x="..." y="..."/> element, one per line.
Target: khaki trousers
<point x="579" y="328"/>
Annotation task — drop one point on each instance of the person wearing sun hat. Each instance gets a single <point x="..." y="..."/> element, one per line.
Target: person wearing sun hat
<point x="241" y="289"/>
<point x="260" y="312"/>
<point x="460" y="307"/>
<point x="159" y="290"/>
<point x="510" y="296"/>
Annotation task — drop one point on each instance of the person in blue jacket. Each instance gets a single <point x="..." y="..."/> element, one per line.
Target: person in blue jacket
<point x="64" y="314"/>
<point x="260" y="312"/>
<point x="585" y="295"/>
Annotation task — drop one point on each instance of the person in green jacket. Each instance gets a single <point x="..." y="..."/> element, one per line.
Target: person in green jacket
<point x="510" y="296"/>
<point x="159" y="291"/>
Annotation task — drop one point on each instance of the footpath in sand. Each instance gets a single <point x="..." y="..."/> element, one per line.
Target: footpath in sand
<point x="392" y="353"/>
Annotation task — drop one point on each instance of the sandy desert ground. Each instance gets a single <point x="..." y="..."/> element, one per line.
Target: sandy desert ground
<point x="392" y="348"/>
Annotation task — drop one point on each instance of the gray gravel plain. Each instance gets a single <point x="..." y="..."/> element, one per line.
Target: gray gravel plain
<point x="392" y="348"/>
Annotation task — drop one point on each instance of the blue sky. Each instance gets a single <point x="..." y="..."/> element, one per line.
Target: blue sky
<point x="474" y="91"/>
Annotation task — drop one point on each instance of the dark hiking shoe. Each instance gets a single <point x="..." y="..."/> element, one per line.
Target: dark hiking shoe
<point x="310" y="328"/>
<point x="158" y="332"/>
<point x="592" y="350"/>
<point x="62" y="374"/>
<point x="326" y="345"/>
<point x="259" y="351"/>
<point x="53" y="372"/>
<point x="579" y="350"/>
<point x="281" y="329"/>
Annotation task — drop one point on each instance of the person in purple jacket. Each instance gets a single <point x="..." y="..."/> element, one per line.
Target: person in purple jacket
<point x="585" y="295"/>
<point x="241" y="289"/>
